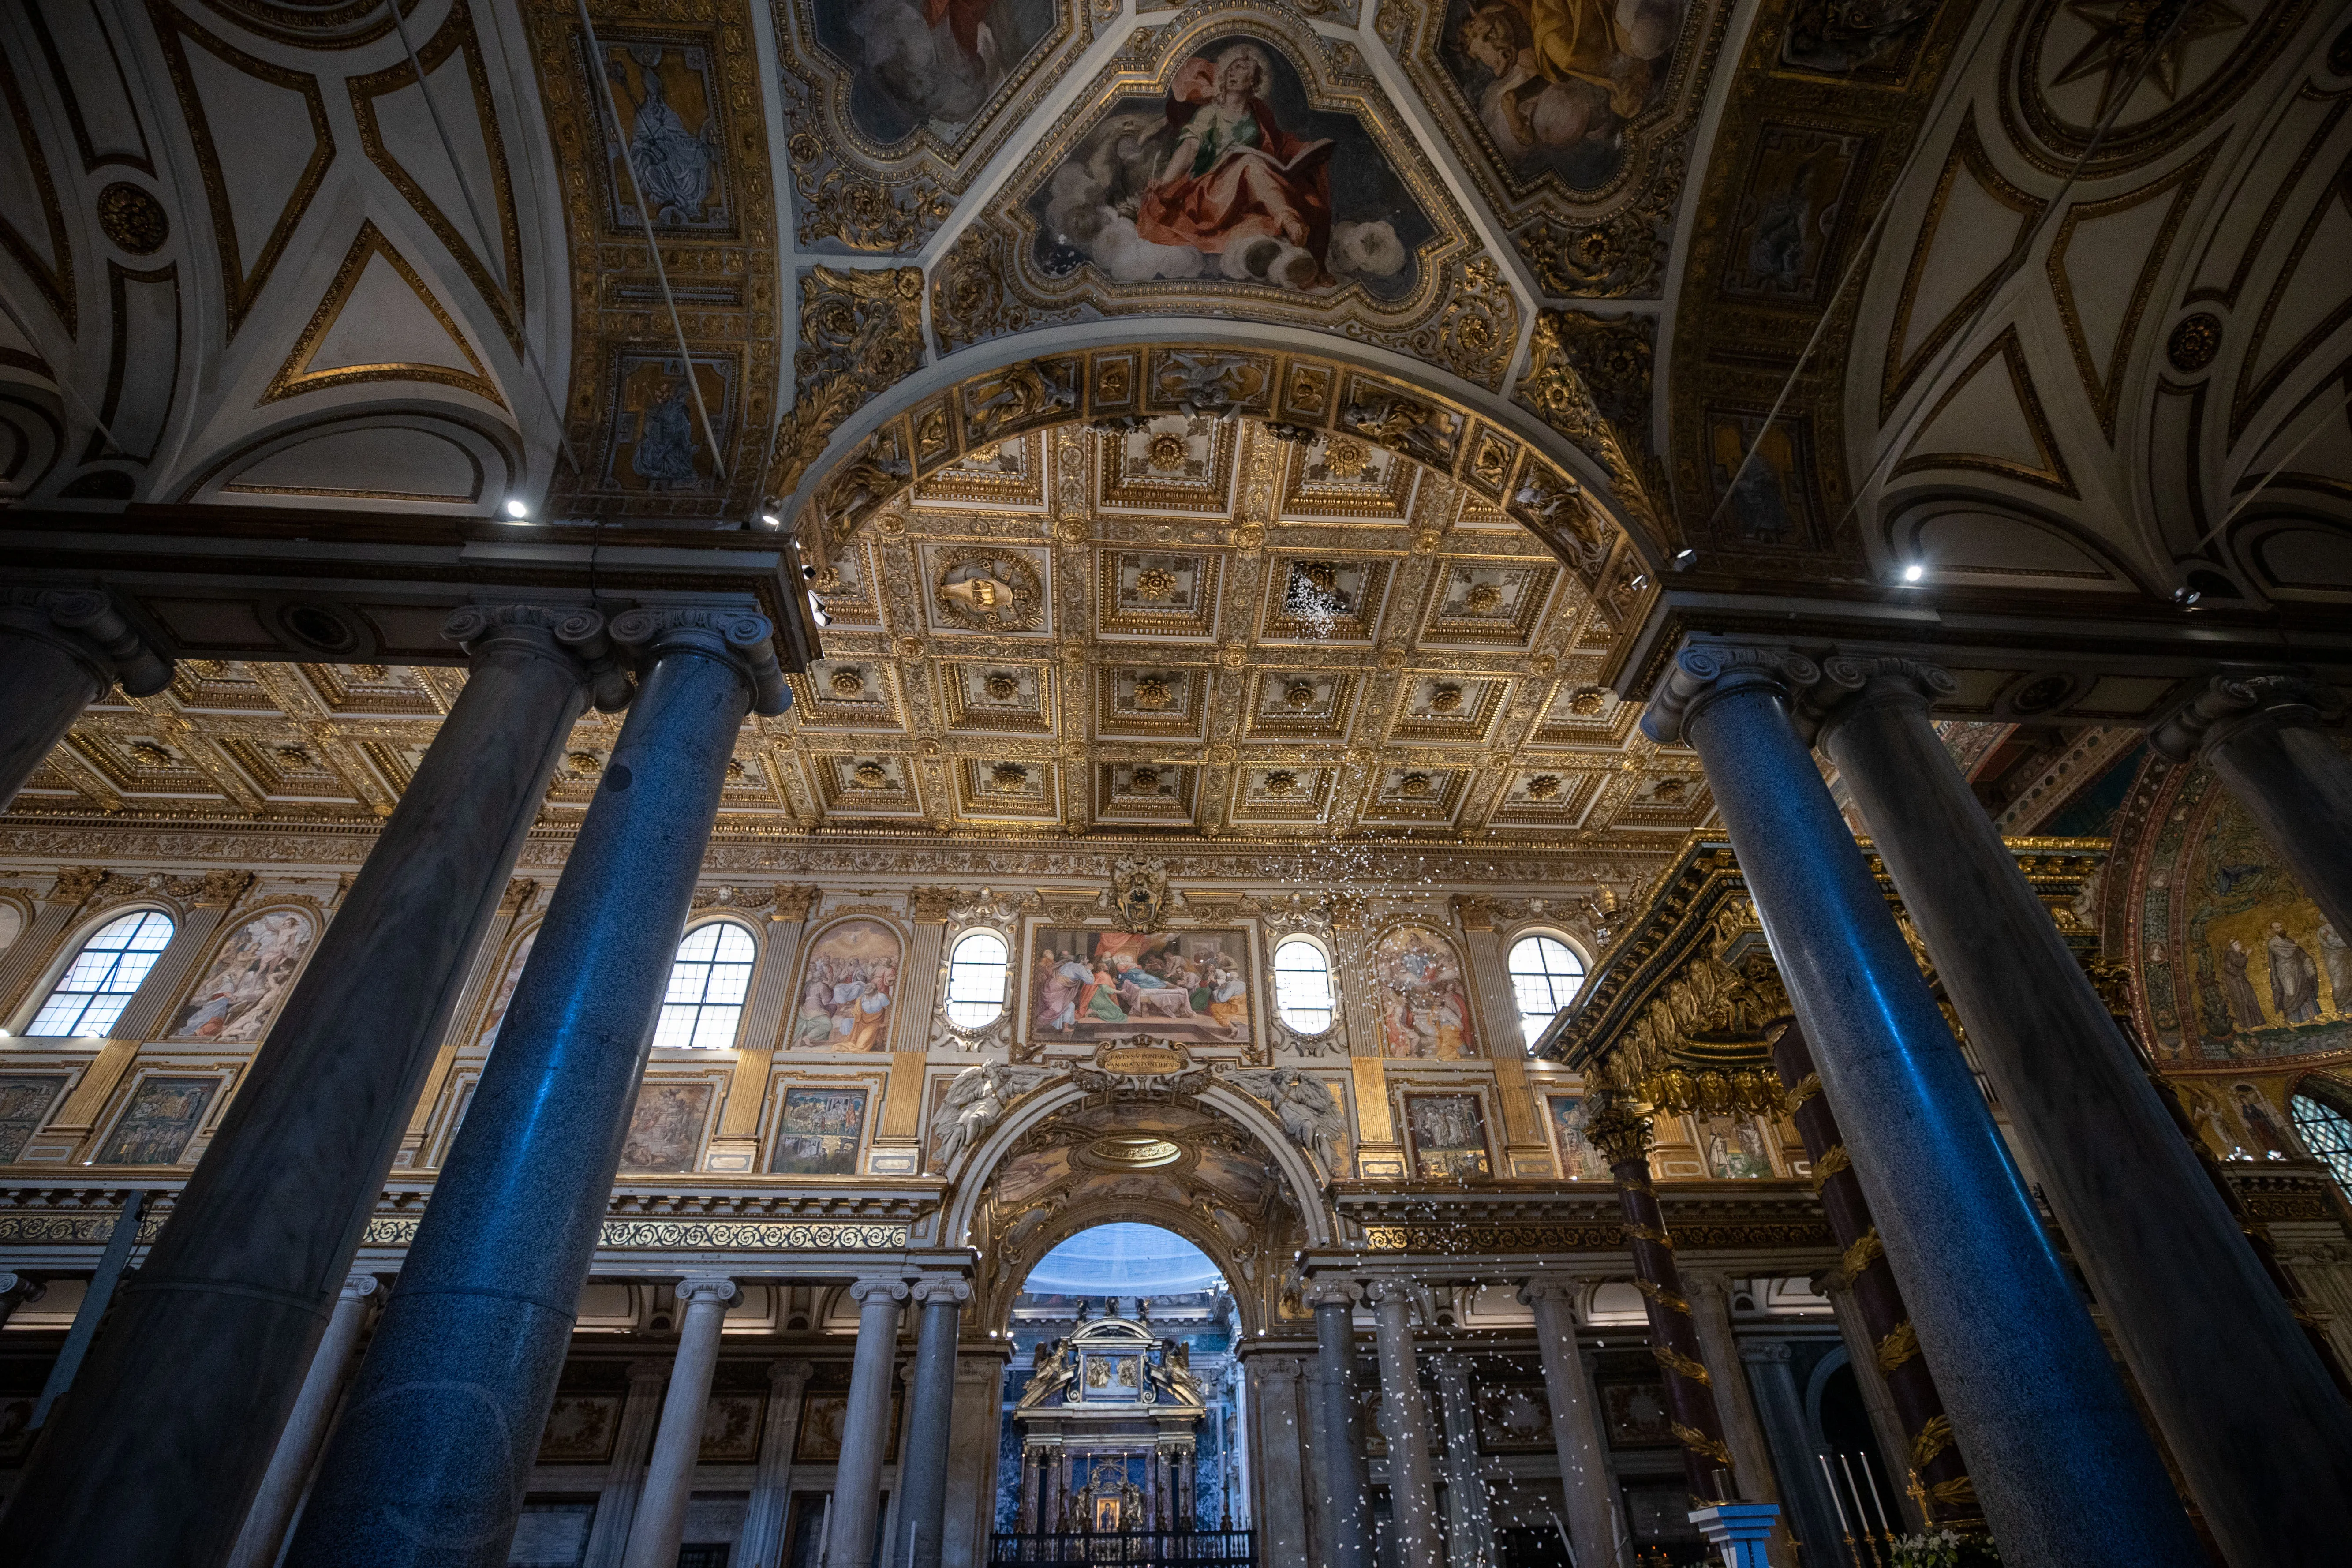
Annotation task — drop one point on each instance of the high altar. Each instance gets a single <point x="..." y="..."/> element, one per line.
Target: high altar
<point x="1109" y="1425"/>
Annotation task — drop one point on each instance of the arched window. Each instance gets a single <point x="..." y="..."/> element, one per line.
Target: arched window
<point x="976" y="976"/>
<point x="1544" y="973"/>
<point x="706" y="986"/>
<point x="1302" y="985"/>
<point x="95" y="988"/>
<point x="2326" y="1132"/>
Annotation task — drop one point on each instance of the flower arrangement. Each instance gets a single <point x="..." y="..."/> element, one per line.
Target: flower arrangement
<point x="1945" y="1549"/>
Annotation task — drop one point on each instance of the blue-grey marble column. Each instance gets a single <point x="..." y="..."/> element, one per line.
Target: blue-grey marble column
<point x="865" y="1425"/>
<point x="2257" y="732"/>
<point x="1413" y="1481"/>
<point x="1344" y="1481"/>
<point x="205" y="1351"/>
<point x="2067" y="1473"/>
<point x="61" y="648"/>
<point x="923" y="1468"/>
<point x="2258" y="1429"/>
<point x="1578" y="1436"/>
<point x="435" y="1447"/>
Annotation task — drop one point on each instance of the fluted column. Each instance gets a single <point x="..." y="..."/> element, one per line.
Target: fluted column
<point x="2258" y="734"/>
<point x="1578" y="1436"/>
<point x="436" y="1445"/>
<point x="2258" y="1429"/>
<point x="866" y="1425"/>
<point x="677" y="1442"/>
<point x="209" y="1343"/>
<point x="306" y="1428"/>
<point x="923" y="1468"/>
<point x="2064" y="1469"/>
<point x="1341" y="1460"/>
<point x="1864" y="1289"/>
<point x="1622" y="1133"/>
<point x="1413" y="1485"/>
<point x="62" y="648"/>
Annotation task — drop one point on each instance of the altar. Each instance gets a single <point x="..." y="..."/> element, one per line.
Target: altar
<point x="1109" y="1426"/>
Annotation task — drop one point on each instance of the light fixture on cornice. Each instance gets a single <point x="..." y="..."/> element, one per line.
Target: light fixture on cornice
<point x="1684" y="559"/>
<point x="518" y="510"/>
<point x="1912" y="573"/>
<point x="817" y="611"/>
<point x="2186" y="596"/>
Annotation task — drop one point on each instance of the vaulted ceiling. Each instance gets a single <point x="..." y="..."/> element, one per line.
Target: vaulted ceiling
<point x="2035" y="295"/>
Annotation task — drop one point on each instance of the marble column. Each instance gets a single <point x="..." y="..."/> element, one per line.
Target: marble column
<point x="1279" y="1478"/>
<point x="434" y="1454"/>
<point x="2257" y="734"/>
<point x="1344" y="1486"/>
<point x="1623" y="1134"/>
<point x="306" y="1428"/>
<point x="1033" y="1484"/>
<point x="210" y="1342"/>
<point x="62" y="649"/>
<point x="2248" y="1409"/>
<point x="1710" y="1298"/>
<point x="16" y="1289"/>
<point x="762" y="1540"/>
<point x="2064" y="1469"/>
<point x="677" y="1442"/>
<point x="1913" y="1431"/>
<point x="1578" y="1435"/>
<point x="1413" y="1485"/>
<point x="1470" y="1525"/>
<point x="866" y="1424"/>
<point x="625" y="1477"/>
<point x="1807" y="1513"/>
<point x="923" y="1468"/>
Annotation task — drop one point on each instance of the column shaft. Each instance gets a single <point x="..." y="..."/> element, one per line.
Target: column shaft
<point x="433" y="1457"/>
<point x="771" y="1486"/>
<point x="1342" y="1459"/>
<point x="677" y="1442"/>
<point x="866" y="1425"/>
<point x="62" y="648"/>
<point x="1470" y="1534"/>
<point x="306" y="1429"/>
<point x="1578" y="1436"/>
<point x="1809" y="1516"/>
<point x="923" y="1468"/>
<point x="209" y="1343"/>
<point x="1711" y="1298"/>
<point x="2262" y="1437"/>
<point x="1412" y="1487"/>
<point x="2064" y="1469"/>
<point x="1926" y="1448"/>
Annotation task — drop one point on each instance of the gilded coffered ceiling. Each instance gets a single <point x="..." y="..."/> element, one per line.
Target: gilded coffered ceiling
<point x="1191" y="626"/>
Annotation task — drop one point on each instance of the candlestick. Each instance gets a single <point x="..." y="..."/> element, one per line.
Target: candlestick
<point x="1845" y="1527"/>
<point x="1846" y="1462"/>
<point x="1875" y="1502"/>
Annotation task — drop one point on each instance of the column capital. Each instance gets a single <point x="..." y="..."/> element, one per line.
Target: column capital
<point x="221" y="886"/>
<point x="1764" y="1350"/>
<point x="1703" y="671"/>
<point x="360" y="1286"/>
<point x="1329" y="1293"/>
<point x="1852" y="681"/>
<point x="1621" y="1131"/>
<point x="648" y="1371"/>
<point x="790" y="1371"/>
<point x="75" y="884"/>
<point x="576" y="633"/>
<point x="891" y="1286"/>
<point x="1547" y="1287"/>
<point x="1705" y="1281"/>
<point x="706" y="1288"/>
<point x="743" y="638"/>
<point x="942" y="1287"/>
<point x="2228" y="703"/>
<point x="88" y="624"/>
<point x="1387" y="1290"/>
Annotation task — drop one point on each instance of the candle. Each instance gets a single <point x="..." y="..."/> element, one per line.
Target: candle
<point x="1832" y="1479"/>
<point x="823" y="1528"/>
<point x="1884" y="1528"/>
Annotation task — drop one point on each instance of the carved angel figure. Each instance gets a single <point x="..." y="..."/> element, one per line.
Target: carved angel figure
<point x="975" y="1100"/>
<point x="1305" y="1107"/>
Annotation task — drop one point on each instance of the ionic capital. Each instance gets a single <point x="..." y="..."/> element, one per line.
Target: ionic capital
<point x="1547" y="1287"/>
<point x="789" y="1374"/>
<point x="575" y="633"/>
<point x="1704" y="670"/>
<point x="706" y="1288"/>
<point x="1852" y="682"/>
<point x="1764" y="1350"/>
<point x="360" y="1286"/>
<point x="2231" y="704"/>
<point x="648" y="1373"/>
<point x="891" y="1286"/>
<point x="1329" y="1293"/>
<point x="86" y="624"/>
<point x="942" y="1287"/>
<point x="741" y="637"/>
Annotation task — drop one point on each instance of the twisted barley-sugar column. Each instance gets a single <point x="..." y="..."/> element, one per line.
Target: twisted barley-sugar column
<point x="1622" y="1133"/>
<point x="1945" y="1493"/>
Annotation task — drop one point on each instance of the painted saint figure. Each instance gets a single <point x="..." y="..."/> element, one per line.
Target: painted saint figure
<point x="2264" y="1130"/>
<point x="1237" y="184"/>
<point x="2337" y="961"/>
<point x="671" y="164"/>
<point x="2245" y="1007"/>
<point x="2295" y="979"/>
<point x="664" y="458"/>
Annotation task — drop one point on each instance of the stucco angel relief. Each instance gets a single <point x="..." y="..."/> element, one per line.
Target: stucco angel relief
<point x="1231" y="176"/>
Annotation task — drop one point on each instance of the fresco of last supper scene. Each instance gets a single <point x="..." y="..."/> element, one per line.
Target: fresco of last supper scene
<point x="1175" y="784"/>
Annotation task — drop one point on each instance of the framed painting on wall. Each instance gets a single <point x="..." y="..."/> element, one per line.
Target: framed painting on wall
<point x="1083" y="985"/>
<point x="848" y="985"/>
<point x="666" y="1127"/>
<point x="163" y="1115"/>
<point x="249" y="976"/>
<point x="25" y="1103"/>
<point x="1448" y="1135"/>
<point x="1424" y="1003"/>
<point x="817" y="1132"/>
<point x="1580" y="1160"/>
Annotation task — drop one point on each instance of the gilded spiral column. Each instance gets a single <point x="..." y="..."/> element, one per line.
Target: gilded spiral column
<point x="1622" y="1133"/>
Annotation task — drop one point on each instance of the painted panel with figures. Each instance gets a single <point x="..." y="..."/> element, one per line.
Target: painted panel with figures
<point x="849" y="982"/>
<point x="817" y="1132"/>
<point x="1424" y="1004"/>
<point x="1084" y="986"/>
<point x="249" y="976"/>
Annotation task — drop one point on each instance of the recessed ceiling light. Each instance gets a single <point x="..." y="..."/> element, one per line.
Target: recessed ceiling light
<point x="1913" y="572"/>
<point x="516" y="509"/>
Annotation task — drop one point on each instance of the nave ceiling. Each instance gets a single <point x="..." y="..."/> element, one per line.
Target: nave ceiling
<point x="2072" y="369"/>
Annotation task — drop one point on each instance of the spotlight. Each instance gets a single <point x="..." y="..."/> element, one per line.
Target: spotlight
<point x="1641" y="580"/>
<point x="518" y="511"/>
<point x="2185" y="596"/>
<point x="1686" y="558"/>
<point x="1913" y="572"/>
<point x="771" y="520"/>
